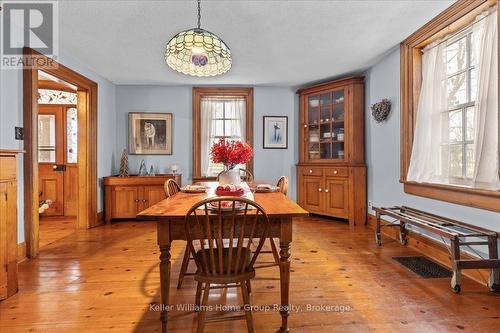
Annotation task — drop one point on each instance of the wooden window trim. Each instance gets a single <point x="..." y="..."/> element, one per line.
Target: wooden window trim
<point x="198" y="94"/>
<point x="453" y="19"/>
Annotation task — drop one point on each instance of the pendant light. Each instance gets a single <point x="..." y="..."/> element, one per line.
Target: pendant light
<point x="198" y="52"/>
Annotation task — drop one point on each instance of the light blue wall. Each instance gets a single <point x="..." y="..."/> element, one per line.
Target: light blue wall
<point x="11" y="114"/>
<point x="270" y="164"/>
<point x="383" y="159"/>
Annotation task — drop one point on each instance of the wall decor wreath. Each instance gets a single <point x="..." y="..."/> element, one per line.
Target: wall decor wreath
<point x="381" y="110"/>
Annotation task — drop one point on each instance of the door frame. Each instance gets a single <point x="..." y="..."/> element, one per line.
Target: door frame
<point x="87" y="144"/>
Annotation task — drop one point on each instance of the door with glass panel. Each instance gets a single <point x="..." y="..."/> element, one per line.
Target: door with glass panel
<point x="325" y="126"/>
<point x="57" y="158"/>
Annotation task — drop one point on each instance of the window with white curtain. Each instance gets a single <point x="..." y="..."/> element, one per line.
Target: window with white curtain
<point x="456" y="130"/>
<point x="221" y="117"/>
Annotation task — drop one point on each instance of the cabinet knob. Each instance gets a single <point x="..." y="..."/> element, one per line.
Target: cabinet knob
<point x="335" y="172"/>
<point x="305" y="125"/>
<point x="144" y="200"/>
<point x="310" y="171"/>
<point x="137" y="200"/>
<point x="326" y="190"/>
<point x="320" y="189"/>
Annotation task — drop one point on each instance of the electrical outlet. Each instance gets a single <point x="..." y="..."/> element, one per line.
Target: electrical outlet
<point x="370" y="205"/>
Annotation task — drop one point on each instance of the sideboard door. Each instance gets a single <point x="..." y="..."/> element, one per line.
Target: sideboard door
<point x="125" y="201"/>
<point x="152" y="195"/>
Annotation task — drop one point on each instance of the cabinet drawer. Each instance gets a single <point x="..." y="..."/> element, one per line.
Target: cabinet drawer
<point x="337" y="172"/>
<point x="8" y="166"/>
<point x="312" y="171"/>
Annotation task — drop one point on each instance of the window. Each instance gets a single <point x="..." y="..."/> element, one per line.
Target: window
<point x="219" y="113"/>
<point x="458" y="118"/>
<point x="449" y="107"/>
<point x="221" y="117"/>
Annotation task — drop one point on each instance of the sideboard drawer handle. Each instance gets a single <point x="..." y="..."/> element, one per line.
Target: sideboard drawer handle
<point x="319" y="189"/>
<point x="335" y="172"/>
<point x="310" y="171"/>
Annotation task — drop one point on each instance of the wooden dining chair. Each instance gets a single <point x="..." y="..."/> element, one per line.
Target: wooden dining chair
<point x="283" y="186"/>
<point x="245" y="175"/>
<point x="171" y="188"/>
<point x="224" y="258"/>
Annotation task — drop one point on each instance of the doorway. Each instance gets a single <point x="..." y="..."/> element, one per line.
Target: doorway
<point x="57" y="158"/>
<point x="41" y="183"/>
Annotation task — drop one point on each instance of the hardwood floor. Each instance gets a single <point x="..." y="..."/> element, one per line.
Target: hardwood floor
<point x="105" y="279"/>
<point x="53" y="229"/>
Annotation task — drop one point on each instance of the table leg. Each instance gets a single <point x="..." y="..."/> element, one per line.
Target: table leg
<point x="285" y="252"/>
<point x="164" y="243"/>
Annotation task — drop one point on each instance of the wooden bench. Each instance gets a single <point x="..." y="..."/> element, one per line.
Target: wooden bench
<point x="458" y="233"/>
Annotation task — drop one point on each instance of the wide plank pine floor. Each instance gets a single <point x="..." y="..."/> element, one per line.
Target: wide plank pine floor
<point x="106" y="279"/>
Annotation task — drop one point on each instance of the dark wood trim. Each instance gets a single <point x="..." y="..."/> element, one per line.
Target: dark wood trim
<point x="198" y="94"/>
<point x="454" y="18"/>
<point x="87" y="144"/>
<point x="52" y="85"/>
<point x="430" y="248"/>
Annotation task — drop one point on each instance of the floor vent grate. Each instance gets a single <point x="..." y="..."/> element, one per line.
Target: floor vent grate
<point x="424" y="267"/>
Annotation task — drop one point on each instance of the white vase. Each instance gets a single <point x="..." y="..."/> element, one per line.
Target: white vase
<point x="231" y="176"/>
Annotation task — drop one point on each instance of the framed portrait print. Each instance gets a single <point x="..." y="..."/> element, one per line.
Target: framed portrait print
<point x="275" y="132"/>
<point x="150" y="133"/>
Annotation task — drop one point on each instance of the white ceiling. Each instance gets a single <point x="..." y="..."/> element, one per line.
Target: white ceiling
<point x="281" y="43"/>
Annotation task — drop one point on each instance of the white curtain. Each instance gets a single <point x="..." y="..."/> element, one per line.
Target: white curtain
<point x="430" y="159"/>
<point x="211" y="108"/>
<point x="426" y="164"/>
<point x="485" y="39"/>
<point x="207" y="108"/>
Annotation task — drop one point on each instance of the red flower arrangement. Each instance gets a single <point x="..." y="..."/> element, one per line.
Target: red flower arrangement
<point x="231" y="153"/>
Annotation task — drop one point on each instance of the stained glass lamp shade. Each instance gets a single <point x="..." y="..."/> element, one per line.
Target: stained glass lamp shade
<point x="198" y="52"/>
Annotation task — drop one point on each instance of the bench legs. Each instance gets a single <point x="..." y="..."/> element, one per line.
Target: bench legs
<point x="378" y="239"/>
<point x="494" y="279"/>
<point x="456" y="279"/>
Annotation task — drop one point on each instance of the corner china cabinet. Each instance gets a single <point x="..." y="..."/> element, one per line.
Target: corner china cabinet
<point x="331" y="172"/>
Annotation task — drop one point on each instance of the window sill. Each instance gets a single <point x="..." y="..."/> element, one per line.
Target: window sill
<point x="461" y="195"/>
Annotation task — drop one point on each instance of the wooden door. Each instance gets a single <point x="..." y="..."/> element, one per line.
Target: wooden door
<point x="126" y="201"/>
<point x="3" y="241"/>
<point x="152" y="195"/>
<point x="58" y="173"/>
<point x="312" y="193"/>
<point x="50" y="157"/>
<point x="337" y="197"/>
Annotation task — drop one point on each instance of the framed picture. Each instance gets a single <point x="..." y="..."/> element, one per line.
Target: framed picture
<point x="275" y="132"/>
<point x="150" y="133"/>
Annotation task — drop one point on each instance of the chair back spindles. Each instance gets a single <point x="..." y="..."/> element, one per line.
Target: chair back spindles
<point x="243" y="221"/>
<point x="283" y="184"/>
<point x="171" y="188"/>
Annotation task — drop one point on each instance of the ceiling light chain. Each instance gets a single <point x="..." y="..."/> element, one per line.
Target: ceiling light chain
<point x="199" y="14"/>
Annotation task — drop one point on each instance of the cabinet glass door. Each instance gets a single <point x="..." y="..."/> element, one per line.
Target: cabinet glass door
<point x="325" y="126"/>
<point x="338" y="129"/>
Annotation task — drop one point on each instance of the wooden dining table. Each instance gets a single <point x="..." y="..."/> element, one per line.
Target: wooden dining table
<point x="171" y="212"/>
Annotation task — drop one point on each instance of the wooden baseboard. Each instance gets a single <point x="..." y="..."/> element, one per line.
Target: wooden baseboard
<point x="432" y="249"/>
<point x="99" y="220"/>
<point x="21" y="252"/>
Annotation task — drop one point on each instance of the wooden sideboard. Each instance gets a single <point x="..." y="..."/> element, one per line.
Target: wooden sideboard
<point x="125" y="197"/>
<point x="331" y="172"/>
<point x="8" y="223"/>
